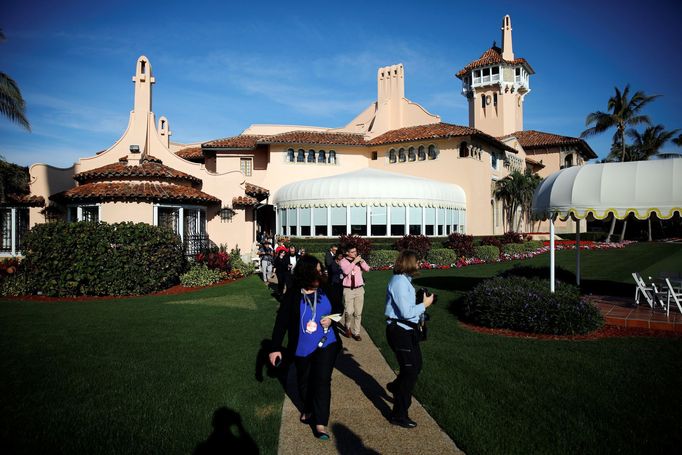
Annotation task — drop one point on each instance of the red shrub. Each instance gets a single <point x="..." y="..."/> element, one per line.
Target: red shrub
<point x="9" y="266"/>
<point x="420" y="244"/>
<point x="215" y="260"/>
<point x="462" y="244"/>
<point x="491" y="240"/>
<point x="511" y="237"/>
<point x="363" y="245"/>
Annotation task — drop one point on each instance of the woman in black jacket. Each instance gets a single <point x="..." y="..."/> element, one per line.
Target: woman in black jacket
<point x="313" y="341"/>
<point x="281" y="265"/>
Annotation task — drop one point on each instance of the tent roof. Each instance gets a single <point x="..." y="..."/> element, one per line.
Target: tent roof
<point x="638" y="187"/>
<point x="370" y="187"/>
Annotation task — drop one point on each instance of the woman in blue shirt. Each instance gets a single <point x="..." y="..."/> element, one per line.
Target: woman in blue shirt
<point x="401" y="312"/>
<point x="313" y="341"/>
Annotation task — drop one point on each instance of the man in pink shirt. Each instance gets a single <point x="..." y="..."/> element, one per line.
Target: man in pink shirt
<point x="352" y="267"/>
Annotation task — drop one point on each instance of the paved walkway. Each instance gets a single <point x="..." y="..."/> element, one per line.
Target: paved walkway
<point x="359" y="411"/>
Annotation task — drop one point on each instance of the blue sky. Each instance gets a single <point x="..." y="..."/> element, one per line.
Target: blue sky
<point x="221" y="66"/>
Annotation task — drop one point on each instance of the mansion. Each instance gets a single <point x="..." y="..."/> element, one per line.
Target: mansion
<point x="394" y="169"/>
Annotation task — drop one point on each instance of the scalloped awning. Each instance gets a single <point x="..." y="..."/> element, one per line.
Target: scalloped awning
<point x="598" y="190"/>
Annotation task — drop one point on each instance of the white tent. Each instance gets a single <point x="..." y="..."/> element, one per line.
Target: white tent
<point x="596" y="191"/>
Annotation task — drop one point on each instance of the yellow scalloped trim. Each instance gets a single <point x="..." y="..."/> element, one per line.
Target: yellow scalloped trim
<point x="601" y="215"/>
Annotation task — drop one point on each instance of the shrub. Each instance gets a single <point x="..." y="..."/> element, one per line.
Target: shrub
<point x="529" y="306"/>
<point x="363" y="245"/>
<point x="9" y="266"/>
<point x="420" y="244"/>
<point x="462" y="244"/>
<point x="201" y="275"/>
<point x="442" y="256"/>
<point x="514" y="248"/>
<point x="383" y="258"/>
<point x="238" y="265"/>
<point x="511" y="237"/>
<point x="487" y="252"/>
<point x="491" y="240"/>
<point x="532" y="245"/>
<point x="102" y="259"/>
<point x="19" y="283"/>
<point x="216" y="260"/>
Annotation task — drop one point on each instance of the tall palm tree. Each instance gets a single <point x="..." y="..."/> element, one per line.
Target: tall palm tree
<point x="516" y="192"/>
<point x="648" y="144"/>
<point x="623" y="112"/>
<point x="12" y="104"/>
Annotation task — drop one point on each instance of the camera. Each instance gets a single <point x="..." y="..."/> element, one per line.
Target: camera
<point x="422" y="292"/>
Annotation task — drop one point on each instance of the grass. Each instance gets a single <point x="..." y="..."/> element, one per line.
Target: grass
<point x="141" y="375"/>
<point x="498" y="395"/>
<point x="145" y="375"/>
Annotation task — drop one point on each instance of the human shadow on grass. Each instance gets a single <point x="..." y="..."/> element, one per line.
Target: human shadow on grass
<point x="348" y="443"/>
<point x="374" y="391"/>
<point x="263" y="363"/>
<point x="228" y="437"/>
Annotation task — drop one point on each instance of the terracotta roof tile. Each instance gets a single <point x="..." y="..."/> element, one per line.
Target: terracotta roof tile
<point x="535" y="163"/>
<point x="243" y="141"/>
<point x="532" y="139"/>
<point x="134" y="191"/>
<point x="150" y="168"/>
<point x="256" y="191"/>
<point x="314" y="137"/>
<point x="435" y="131"/>
<point x="491" y="57"/>
<point x="191" y="154"/>
<point x="244" y="200"/>
<point x="23" y="200"/>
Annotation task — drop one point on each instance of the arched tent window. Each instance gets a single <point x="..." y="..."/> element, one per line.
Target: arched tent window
<point x="321" y="156"/>
<point x="463" y="149"/>
<point x="411" y="155"/>
<point x="391" y="156"/>
<point x="332" y="157"/>
<point x="290" y="155"/>
<point x="433" y="152"/>
<point x="401" y="155"/>
<point x="300" y="157"/>
<point x="421" y="153"/>
<point x="311" y="156"/>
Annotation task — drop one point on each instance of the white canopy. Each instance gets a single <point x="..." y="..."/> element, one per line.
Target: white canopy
<point x="638" y="187"/>
<point x="370" y="187"/>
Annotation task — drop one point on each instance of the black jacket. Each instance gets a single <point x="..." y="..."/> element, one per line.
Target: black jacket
<point x="288" y="320"/>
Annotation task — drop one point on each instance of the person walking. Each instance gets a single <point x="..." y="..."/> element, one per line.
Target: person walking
<point x="281" y="264"/>
<point x="267" y="258"/>
<point x="352" y="268"/>
<point x="330" y="257"/>
<point x="313" y="341"/>
<point x="403" y="314"/>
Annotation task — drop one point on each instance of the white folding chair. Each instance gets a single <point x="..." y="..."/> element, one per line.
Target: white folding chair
<point x="659" y="296"/>
<point x="676" y="296"/>
<point x="644" y="290"/>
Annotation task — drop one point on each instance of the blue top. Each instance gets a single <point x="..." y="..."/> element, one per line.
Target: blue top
<point x="307" y="342"/>
<point x="401" y="301"/>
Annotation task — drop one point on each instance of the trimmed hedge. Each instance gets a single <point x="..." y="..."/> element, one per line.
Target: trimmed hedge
<point x="383" y="258"/>
<point x="442" y="256"/>
<point x="533" y="245"/>
<point x="66" y="259"/>
<point x="514" y="248"/>
<point x="201" y="275"/>
<point x="528" y="305"/>
<point x="487" y="252"/>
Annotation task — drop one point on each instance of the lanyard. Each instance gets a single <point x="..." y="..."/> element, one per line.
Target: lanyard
<point x="308" y="303"/>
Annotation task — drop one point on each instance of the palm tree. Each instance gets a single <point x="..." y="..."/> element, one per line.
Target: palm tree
<point x="12" y="104"/>
<point x="678" y="140"/>
<point x="623" y="112"/>
<point x="516" y="192"/>
<point x="647" y="145"/>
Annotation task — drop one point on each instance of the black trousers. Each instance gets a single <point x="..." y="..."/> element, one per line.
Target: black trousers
<point x="314" y="378"/>
<point x="405" y="345"/>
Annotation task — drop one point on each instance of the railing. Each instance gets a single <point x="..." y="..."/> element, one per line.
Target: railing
<point x="195" y="243"/>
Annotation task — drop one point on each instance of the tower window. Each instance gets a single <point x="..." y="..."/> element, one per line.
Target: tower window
<point x="332" y="157"/>
<point x="495" y="73"/>
<point x="321" y="156"/>
<point x="311" y="156"/>
<point x="391" y="156"/>
<point x="517" y="74"/>
<point x="401" y="155"/>
<point x="463" y="150"/>
<point x="143" y="67"/>
<point x="421" y="153"/>
<point x="433" y="152"/>
<point x="300" y="156"/>
<point x="290" y="155"/>
<point x="477" y="76"/>
<point x="411" y="155"/>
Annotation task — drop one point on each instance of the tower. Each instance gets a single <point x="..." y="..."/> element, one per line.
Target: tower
<point x="496" y="85"/>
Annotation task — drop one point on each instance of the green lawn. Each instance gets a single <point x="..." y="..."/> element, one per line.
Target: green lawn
<point x="137" y="375"/>
<point x="145" y="375"/>
<point x="498" y="395"/>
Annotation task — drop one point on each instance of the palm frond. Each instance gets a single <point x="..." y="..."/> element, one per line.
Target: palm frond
<point x="12" y="104"/>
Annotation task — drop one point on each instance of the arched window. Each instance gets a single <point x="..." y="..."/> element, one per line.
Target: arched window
<point x="290" y="155"/>
<point x="401" y="155"/>
<point x="300" y="157"/>
<point x="321" y="156"/>
<point x="411" y="155"/>
<point x="421" y="153"/>
<point x="391" y="156"/>
<point x="332" y="157"/>
<point x="463" y="149"/>
<point x="311" y="156"/>
<point x="568" y="161"/>
<point x="433" y="152"/>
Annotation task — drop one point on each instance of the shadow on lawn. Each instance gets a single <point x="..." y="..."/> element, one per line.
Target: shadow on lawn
<point x="228" y="437"/>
